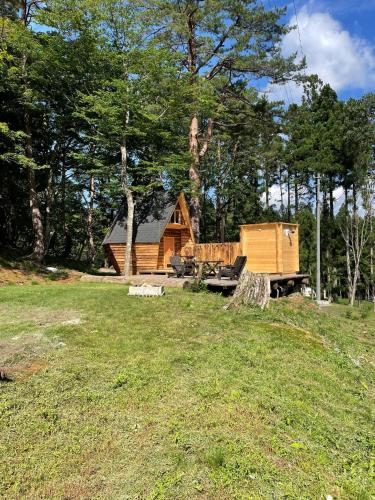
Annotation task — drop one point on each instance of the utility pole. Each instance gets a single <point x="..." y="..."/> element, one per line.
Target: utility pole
<point x="318" y="292"/>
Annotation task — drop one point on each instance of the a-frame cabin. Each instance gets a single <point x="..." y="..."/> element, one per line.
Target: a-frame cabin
<point x="163" y="231"/>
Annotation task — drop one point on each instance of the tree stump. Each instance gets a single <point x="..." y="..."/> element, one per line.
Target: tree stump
<point x="252" y="290"/>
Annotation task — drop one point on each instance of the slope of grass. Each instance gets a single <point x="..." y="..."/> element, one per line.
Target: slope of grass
<point x="124" y="397"/>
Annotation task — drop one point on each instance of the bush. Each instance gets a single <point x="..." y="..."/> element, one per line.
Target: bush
<point x="58" y="275"/>
<point x="350" y="314"/>
<point x="196" y="286"/>
<point x="365" y="313"/>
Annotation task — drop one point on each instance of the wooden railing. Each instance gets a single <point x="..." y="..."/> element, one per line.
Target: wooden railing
<point x="227" y="252"/>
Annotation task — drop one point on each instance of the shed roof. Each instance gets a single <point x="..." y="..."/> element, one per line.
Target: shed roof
<point x="148" y="227"/>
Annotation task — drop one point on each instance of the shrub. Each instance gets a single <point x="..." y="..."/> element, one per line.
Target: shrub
<point x="216" y="457"/>
<point x="58" y="275"/>
<point x="196" y="286"/>
<point x="350" y="314"/>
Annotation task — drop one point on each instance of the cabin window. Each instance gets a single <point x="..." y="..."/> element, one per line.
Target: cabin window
<point x="177" y="217"/>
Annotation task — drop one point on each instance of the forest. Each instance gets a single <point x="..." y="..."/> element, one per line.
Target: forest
<point x="106" y="102"/>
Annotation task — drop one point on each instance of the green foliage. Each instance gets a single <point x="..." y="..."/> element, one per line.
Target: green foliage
<point x="57" y="275"/>
<point x="196" y="286"/>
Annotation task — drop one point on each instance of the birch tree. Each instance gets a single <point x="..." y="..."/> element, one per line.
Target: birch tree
<point x="356" y="234"/>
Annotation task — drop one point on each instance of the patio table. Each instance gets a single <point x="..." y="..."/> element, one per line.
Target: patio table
<point x="208" y="267"/>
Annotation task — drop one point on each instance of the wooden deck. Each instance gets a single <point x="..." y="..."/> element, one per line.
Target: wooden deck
<point x="223" y="283"/>
<point x="139" y="279"/>
<point x="167" y="271"/>
<point x="287" y="277"/>
<point x="226" y="284"/>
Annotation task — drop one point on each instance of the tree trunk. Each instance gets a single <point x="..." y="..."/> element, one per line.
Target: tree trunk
<point x="348" y="264"/>
<point x="130" y="206"/>
<point x="267" y="180"/>
<point x="90" y="215"/>
<point x="281" y="191"/>
<point x="195" y="209"/>
<point x="331" y="200"/>
<point x="49" y="194"/>
<point x="66" y="232"/>
<point x="222" y="226"/>
<point x="288" y="187"/>
<point x="296" y="200"/>
<point x="204" y="214"/>
<point x="36" y="217"/>
<point x="353" y="290"/>
<point x="372" y="277"/>
<point x="252" y="290"/>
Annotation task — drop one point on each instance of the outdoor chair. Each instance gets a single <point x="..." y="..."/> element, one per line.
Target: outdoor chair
<point x="182" y="268"/>
<point x="234" y="271"/>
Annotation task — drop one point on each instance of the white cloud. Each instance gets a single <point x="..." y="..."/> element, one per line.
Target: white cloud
<point x="274" y="194"/>
<point x="275" y="197"/>
<point x="340" y="59"/>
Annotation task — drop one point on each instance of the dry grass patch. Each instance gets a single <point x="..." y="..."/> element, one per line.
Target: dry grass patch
<point x="15" y="314"/>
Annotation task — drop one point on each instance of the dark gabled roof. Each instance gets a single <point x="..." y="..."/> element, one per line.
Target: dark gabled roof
<point x="148" y="227"/>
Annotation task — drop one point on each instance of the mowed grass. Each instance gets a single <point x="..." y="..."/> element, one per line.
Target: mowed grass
<point x="173" y="397"/>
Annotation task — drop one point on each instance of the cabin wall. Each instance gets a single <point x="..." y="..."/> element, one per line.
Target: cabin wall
<point x="144" y="256"/>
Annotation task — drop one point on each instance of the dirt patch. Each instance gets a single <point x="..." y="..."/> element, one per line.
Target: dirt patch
<point x="297" y="302"/>
<point x="26" y="370"/>
<point x="24" y="277"/>
<point x="21" y="356"/>
<point x="17" y="354"/>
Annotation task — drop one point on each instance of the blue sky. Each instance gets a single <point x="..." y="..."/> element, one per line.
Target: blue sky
<point x="338" y="40"/>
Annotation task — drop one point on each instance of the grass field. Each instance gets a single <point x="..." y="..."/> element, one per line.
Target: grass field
<point x="122" y="397"/>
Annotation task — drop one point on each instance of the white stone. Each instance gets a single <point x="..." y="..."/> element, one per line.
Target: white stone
<point x="146" y="290"/>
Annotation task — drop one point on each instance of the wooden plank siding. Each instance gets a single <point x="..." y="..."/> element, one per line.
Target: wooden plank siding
<point x="259" y="244"/>
<point x="227" y="252"/>
<point x="271" y="248"/>
<point x="144" y="256"/>
<point x="290" y="245"/>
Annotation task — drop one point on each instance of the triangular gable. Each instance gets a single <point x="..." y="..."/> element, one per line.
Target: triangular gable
<point x="185" y="212"/>
<point x="152" y="229"/>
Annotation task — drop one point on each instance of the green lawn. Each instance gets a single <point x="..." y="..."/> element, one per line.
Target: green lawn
<point x="173" y="397"/>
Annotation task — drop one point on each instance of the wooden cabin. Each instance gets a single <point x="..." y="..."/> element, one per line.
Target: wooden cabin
<point x="164" y="230"/>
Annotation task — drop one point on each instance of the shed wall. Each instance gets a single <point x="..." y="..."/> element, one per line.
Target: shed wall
<point x="290" y="248"/>
<point x="259" y="244"/>
<point x="270" y="248"/>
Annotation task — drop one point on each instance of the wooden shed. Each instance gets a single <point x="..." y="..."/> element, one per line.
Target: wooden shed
<point x="162" y="228"/>
<point x="271" y="247"/>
